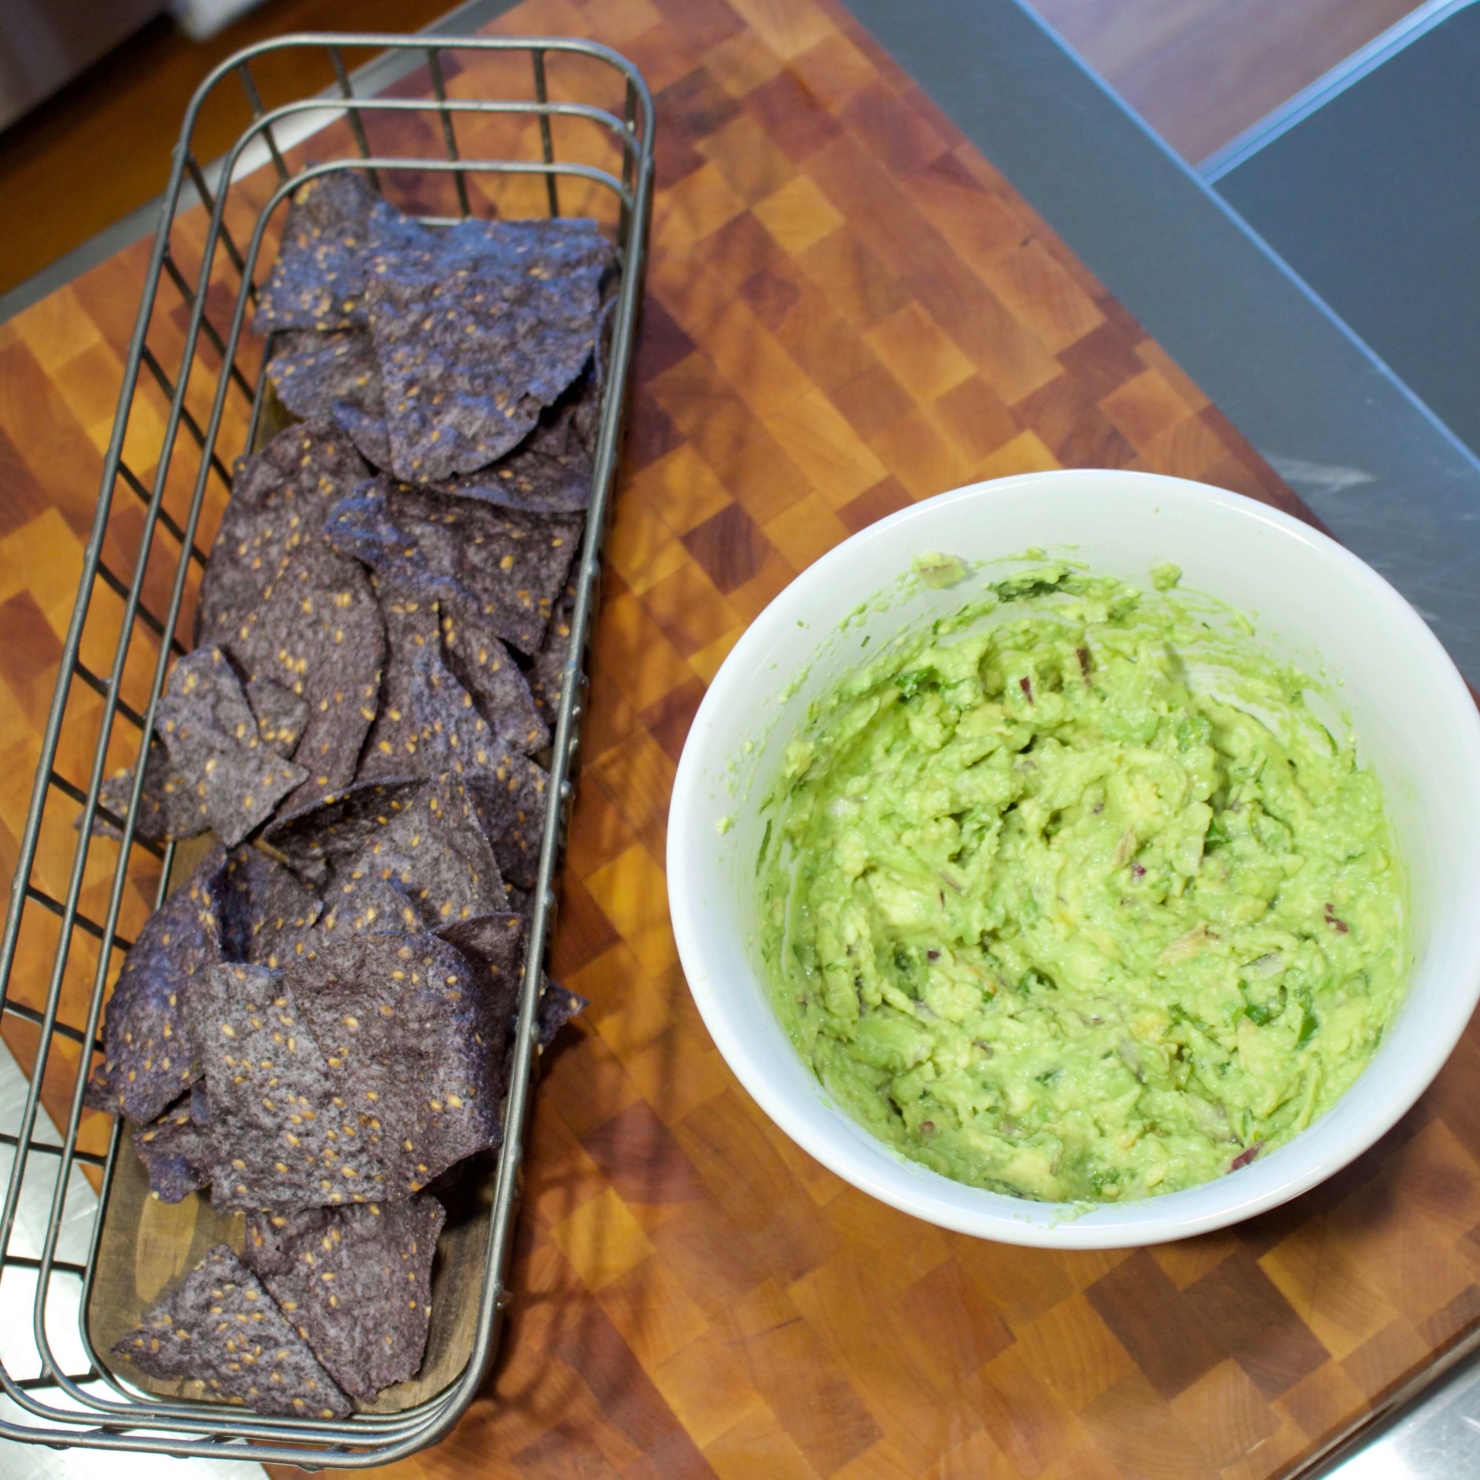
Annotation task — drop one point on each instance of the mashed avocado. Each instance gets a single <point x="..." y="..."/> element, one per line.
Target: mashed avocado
<point x="1075" y="898"/>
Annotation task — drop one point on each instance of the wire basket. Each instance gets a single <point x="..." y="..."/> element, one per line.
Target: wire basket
<point x="473" y="126"/>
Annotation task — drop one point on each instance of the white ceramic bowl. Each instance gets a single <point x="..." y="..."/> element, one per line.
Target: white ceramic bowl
<point x="1314" y="604"/>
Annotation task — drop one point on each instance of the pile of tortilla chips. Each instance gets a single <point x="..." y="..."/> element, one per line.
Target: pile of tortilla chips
<point x="315" y="1026"/>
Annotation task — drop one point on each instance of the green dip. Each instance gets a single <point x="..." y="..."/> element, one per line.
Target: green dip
<point x="1073" y="897"/>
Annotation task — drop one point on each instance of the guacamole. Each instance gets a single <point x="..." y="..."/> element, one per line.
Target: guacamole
<point x="1074" y="897"/>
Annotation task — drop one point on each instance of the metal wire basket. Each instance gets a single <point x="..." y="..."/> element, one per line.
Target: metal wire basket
<point x="480" y="126"/>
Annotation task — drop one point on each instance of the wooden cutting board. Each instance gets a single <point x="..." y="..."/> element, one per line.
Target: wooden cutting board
<point x="847" y="309"/>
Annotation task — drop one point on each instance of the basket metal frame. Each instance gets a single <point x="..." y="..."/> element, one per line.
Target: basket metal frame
<point x="97" y="1410"/>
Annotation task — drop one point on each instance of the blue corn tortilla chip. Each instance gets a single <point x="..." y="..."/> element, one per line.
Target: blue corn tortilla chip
<point x="506" y="566"/>
<point x="547" y="671"/>
<point x="318" y="280"/>
<point x="366" y="428"/>
<point x="269" y="1239"/>
<point x="211" y="736"/>
<point x="355" y="1283"/>
<point x="311" y="838"/>
<point x="170" y="807"/>
<point x="366" y="1069"/>
<point x="485" y="668"/>
<point x="494" y="946"/>
<point x="284" y="1134"/>
<point x="551" y="470"/>
<point x="358" y="904"/>
<point x="298" y="471"/>
<point x="177" y="1151"/>
<point x="335" y="373"/>
<point x="311" y="372"/>
<point x="279" y="497"/>
<point x="265" y="912"/>
<point x="205" y="681"/>
<point x="509" y="799"/>
<point x="428" y="724"/>
<point x="288" y="608"/>
<point x="167" y="807"/>
<point x="322" y="625"/>
<point x="557" y="1007"/>
<point x="477" y="328"/>
<point x="435" y="851"/>
<point x="222" y="1329"/>
<point x="281" y="714"/>
<point x="423" y="837"/>
<point x="149" y="1057"/>
<point x="415" y="1042"/>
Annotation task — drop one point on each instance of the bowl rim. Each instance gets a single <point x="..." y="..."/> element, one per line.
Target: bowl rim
<point x="1100" y="1228"/>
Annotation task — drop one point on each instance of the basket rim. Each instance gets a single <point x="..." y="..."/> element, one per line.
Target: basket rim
<point x="185" y="1427"/>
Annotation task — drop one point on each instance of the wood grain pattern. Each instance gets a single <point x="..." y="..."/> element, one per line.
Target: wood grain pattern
<point x="847" y="309"/>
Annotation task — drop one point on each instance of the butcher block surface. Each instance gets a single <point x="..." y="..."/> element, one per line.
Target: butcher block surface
<point x="847" y="309"/>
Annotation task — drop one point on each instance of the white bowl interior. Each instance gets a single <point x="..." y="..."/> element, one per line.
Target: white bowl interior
<point x="1313" y="604"/>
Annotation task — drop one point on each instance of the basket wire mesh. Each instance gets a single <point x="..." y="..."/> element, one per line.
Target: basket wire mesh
<point x="484" y="126"/>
